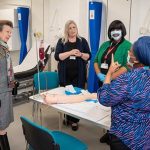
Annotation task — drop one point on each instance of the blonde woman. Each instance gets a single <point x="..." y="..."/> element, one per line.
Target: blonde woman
<point x="72" y="54"/>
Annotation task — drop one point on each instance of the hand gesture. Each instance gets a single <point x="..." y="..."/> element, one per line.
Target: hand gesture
<point x="114" y="65"/>
<point x="76" y="52"/>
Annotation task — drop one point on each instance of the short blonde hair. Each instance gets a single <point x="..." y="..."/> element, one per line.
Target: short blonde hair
<point x="66" y="30"/>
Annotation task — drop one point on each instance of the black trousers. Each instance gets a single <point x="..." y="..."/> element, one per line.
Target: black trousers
<point x="4" y="143"/>
<point x="116" y="143"/>
<point x="71" y="78"/>
<point x="72" y="119"/>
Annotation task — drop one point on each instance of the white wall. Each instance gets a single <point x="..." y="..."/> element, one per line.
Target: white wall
<point x="131" y="12"/>
<point x="49" y="16"/>
<point x="119" y="10"/>
<point x="140" y="19"/>
<point x="15" y="2"/>
<point x="83" y="18"/>
<point x="56" y="13"/>
<point x="135" y="14"/>
<point x="37" y="15"/>
<point x="8" y="10"/>
<point x="10" y="15"/>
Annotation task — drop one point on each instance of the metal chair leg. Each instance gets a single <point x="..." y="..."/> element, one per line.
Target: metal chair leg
<point x="40" y="116"/>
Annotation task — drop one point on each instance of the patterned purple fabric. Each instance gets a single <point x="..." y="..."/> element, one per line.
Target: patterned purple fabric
<point x="129" y="98"/>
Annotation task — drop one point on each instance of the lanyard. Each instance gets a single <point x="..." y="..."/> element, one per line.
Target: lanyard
<point x="109" y="50"/>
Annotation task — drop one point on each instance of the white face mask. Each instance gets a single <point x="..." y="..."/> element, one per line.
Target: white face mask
<point x="116" y="34"/>
<point x="128" y="61"/>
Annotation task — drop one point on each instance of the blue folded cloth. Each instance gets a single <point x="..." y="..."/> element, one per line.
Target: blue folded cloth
<point x="78" y="91"/>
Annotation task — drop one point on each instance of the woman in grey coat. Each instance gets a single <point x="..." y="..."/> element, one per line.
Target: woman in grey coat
<point x="6" y="83"/>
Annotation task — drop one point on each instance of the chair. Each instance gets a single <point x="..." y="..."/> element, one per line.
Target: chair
<point x="41" y="138"/>
<point x="48" y="80"/>
<point x="43" y="81"/>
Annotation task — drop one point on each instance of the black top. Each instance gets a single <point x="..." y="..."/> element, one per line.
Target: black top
<point x="71" y="64"/>
<point x="82" y="45"/>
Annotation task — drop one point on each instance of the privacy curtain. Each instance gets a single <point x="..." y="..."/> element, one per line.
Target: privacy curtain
<point x="23" y="19"/>
<point x="95" y="15"/>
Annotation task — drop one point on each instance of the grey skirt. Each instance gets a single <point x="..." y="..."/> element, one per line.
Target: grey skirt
<point x="6" y="110"/>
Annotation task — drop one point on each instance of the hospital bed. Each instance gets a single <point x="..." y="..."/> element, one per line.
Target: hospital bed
<point x="24" y="72"/>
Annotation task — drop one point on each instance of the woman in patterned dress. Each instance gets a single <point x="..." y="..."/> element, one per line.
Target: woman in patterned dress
<point x="129" y="98"/>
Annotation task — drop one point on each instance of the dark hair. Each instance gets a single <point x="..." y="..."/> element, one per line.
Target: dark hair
<point x="5" y="22"/>
<point x="141" y="49"/>
<point x="116" y="24"/>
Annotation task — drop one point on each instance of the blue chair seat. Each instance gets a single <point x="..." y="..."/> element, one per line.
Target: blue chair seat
<point x="68" y="142"/>
<point x="41" y="138"/>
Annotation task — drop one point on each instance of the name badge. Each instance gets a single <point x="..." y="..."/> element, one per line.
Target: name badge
<point x="72" y="57"/>
<point x="104" y="66"/>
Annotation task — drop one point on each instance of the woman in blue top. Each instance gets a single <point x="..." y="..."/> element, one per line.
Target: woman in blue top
<point x="129" y="98"/>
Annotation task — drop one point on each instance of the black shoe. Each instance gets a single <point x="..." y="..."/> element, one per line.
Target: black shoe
<point x="74" y="126"/>
<point x="105" y="138"/>
<point x="4" y="143"/>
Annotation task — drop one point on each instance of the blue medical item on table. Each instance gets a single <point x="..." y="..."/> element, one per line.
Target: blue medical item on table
<point x="95" y="17"/>
<point x="92" y="100"/>
<point x="78" y="91"/>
